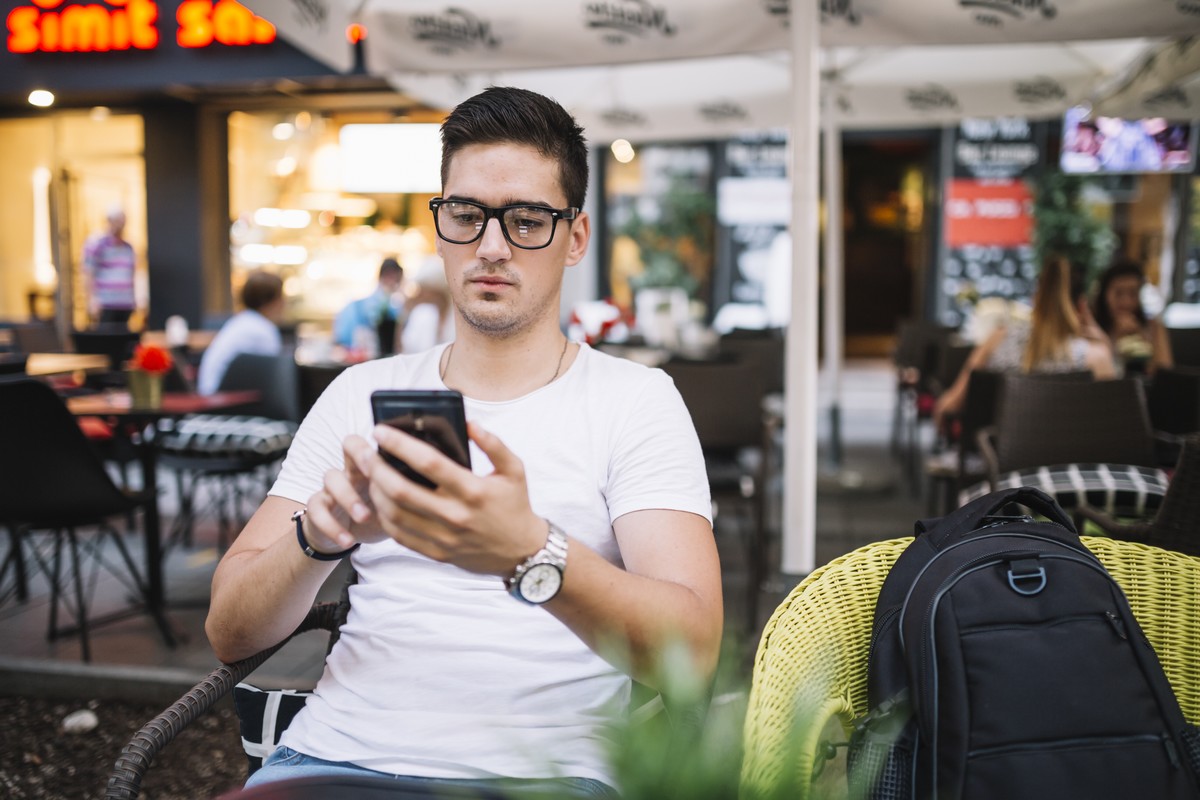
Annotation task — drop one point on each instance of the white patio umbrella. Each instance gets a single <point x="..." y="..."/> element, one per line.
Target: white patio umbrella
<point x="442" y="52"/>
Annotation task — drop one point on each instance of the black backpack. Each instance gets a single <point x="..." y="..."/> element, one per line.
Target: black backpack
<point x="1005" y="665"/>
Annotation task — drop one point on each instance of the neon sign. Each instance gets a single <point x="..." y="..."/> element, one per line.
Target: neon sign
<point x="130" y="25"/>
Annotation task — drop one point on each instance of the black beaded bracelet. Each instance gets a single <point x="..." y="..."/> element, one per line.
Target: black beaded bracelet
<point x="308" y="548"/>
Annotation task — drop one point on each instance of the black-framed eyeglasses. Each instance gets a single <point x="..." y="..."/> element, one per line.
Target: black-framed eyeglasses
<point x="527" y="227"/>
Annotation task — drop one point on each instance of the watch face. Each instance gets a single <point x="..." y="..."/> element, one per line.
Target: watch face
<point x="540" y="583"/>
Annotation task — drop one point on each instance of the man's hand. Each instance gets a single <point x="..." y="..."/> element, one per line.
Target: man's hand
<point x="340" y="514"/>
<point x="483" y="524"/>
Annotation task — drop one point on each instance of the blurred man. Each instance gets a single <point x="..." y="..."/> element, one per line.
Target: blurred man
<point x="108" y="268"/>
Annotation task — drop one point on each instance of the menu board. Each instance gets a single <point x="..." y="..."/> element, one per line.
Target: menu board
<point x="988" y="215"/>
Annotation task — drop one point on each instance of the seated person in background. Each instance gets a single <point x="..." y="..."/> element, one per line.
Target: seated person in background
<point x="1139" y="344"/>
<point x="367" y="313"/>
<point x="253" y="330"/>
<point x="430" y="318"/>
<point x="1060" y="336"/>
<point x="497" y="618"/>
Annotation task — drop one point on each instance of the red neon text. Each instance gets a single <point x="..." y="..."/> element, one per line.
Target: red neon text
<point x="83" y="28"/>
<point x="202" y="22"/>
<point x="130" y="24"/>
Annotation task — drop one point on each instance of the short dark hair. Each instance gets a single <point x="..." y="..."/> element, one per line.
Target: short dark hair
<point x="390" y="267"/>
<point x="1121" y="268"/>
<point x="261" y="288"/>
<point x="504" y="114"/>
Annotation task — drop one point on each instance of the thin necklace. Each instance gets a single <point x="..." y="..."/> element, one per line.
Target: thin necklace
<point x="450" y="352"/>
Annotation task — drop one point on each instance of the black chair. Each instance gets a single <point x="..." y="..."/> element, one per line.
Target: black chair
<point x="117" y="343"/>
<point x="918" y="360"/>
<point x="314" y="379"/>
<point x="233" y="452"/>
<point x="1185" y="346"/>
<point x="961" y="464"/>
<point x="762" y="347"/>
<point x="61" y="486"/>
<point x="1082" y="442"/>
<point x="1176" y="526"/>
<point x="36" y="337"/>
<point x="1174" y="400"/>
<point x="725" y="399"/>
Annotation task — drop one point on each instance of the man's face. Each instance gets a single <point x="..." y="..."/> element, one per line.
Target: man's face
<point x="500" y="289"/>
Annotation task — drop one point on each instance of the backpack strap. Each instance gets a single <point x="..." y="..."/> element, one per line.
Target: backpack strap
<point x="972" y="515"/>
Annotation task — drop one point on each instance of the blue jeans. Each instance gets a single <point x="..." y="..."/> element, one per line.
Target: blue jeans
<point x="285" y="764"/>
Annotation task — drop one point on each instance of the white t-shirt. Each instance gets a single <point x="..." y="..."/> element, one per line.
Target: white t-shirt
<point x="245" y="332"/>
<point x="438" y="671"/>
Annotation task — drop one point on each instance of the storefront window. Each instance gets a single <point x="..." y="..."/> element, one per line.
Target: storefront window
<point x="294" y="211"/>
<point x="62" y="174"/>
<point x="661" y="222"/>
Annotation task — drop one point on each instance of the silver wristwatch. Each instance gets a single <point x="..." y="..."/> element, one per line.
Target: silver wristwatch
<point x="538" y="578"/>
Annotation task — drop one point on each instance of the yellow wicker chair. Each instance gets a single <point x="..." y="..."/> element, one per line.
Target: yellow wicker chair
<point x="811" y="664"/>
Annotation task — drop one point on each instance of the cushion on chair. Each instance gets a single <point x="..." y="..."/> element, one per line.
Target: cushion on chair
<point x="1120" y="490"/>
<point x="219" y="436"/>
<point x="263" y="716"/>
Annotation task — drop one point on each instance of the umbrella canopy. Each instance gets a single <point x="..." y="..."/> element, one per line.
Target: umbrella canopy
<point x="445" y="52"/>
<point x="678" y="69"/>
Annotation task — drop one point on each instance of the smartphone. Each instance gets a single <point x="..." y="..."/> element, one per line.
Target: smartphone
<point x="434" y="416"/>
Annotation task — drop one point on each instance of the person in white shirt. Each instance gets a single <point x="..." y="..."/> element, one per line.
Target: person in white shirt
<point x="252" y="330"/>
<point x="430" y="319"/>
<point x="452" y="668"/>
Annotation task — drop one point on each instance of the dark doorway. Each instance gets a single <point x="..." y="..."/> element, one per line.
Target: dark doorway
<point x="886" y="180"/>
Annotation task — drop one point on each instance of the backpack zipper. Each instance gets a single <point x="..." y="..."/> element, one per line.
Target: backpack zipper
<point x="1092" y="741"/>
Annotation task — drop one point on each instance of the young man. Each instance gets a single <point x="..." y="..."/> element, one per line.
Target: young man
<point x="450" y="667"/>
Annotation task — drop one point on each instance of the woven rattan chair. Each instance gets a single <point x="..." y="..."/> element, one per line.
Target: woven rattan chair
<point x="811" y="666"/>
<point x="135" y="759"/>
<point x="1176" y="526"/>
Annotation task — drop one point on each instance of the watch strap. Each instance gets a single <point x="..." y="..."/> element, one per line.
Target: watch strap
<point x="309" y="550"/>
<point x="554" y="553"/>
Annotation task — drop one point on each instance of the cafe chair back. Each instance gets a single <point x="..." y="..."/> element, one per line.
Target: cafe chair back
<point x="1176" y="526"/>
<point x="1081" y="442"/>
<point x="60" y="503"/>
<point x="116" y="343"/>
<point x="809" y="681"/>
<point x="1185" y="346"/>
<point x="233" y="455"/>
<point x="725" y="398"/>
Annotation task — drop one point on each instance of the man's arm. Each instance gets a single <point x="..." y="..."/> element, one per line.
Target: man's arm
<point x="670" y="590"/>
<point x="264" y="585"/>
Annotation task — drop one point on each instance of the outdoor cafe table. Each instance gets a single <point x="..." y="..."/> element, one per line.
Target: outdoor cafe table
<point x="119" y="409"/>
<point x="41" y="365"/>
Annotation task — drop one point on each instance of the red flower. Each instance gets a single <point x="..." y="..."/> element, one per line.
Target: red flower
<point x="151" y="358"/>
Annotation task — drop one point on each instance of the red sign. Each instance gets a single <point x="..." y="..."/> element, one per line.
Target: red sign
<point x="130" y="24"/>
<point x="995" y="213"/>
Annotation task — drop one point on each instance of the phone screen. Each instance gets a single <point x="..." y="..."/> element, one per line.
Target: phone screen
<point x="434" y="416"/>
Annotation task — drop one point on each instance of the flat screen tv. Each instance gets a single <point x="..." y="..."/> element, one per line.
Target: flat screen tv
<point x="1098" y="145"/>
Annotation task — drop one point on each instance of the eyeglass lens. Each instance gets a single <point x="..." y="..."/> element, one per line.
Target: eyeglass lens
<point x="525" y="226"/>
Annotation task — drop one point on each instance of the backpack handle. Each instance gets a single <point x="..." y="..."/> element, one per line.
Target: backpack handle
<point x="971" y="516"/>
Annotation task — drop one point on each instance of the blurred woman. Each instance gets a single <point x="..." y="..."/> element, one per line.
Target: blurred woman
<point x="1139" y="344"/>
<point x="1059" y="336"/>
